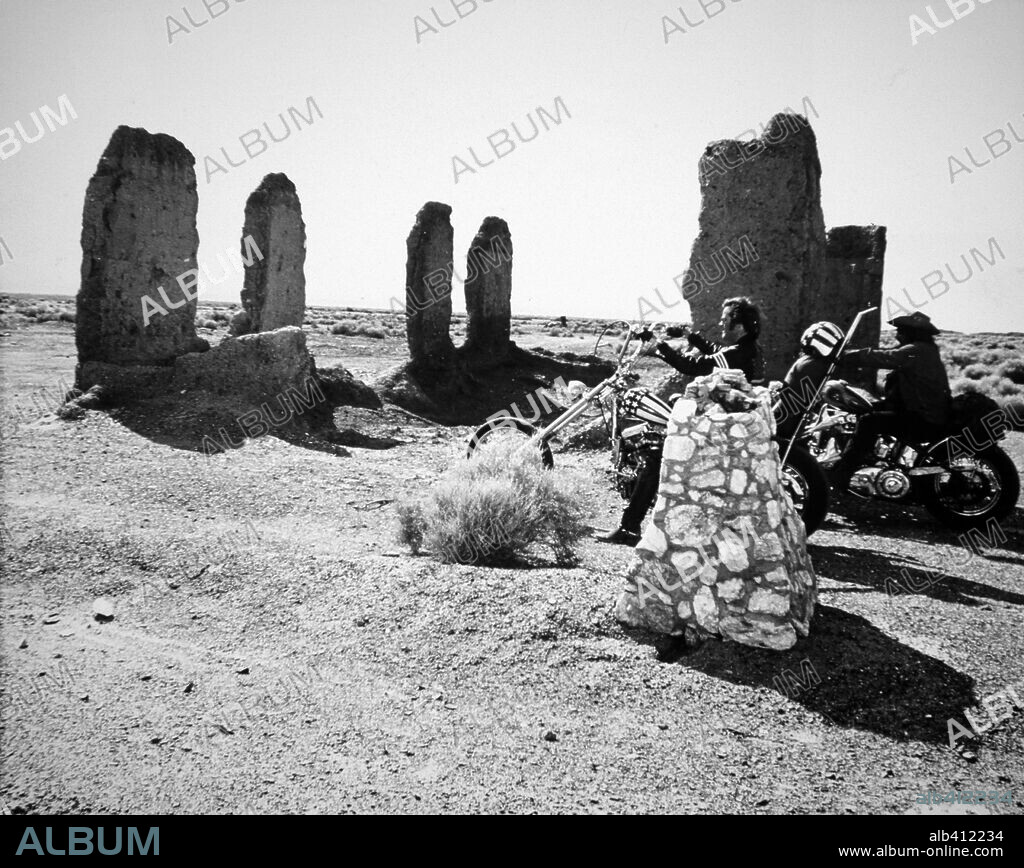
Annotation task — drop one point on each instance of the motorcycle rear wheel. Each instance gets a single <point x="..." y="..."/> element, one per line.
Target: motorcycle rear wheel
<point x="508" y="428"/>
<point x="806" y="485"/>
<point x="950" y="496"/>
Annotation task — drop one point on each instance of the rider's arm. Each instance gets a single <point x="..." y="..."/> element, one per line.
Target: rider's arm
<point x="698" y="340"/>
<point x="685" y="364"/>
<point x="896" y="358"/>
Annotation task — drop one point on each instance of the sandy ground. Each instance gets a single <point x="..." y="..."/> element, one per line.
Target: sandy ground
<point x="275" y="650"/>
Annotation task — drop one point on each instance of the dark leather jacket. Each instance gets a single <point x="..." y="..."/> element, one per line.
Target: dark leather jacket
<point x="918" y="384"/>
<point x="802" y="380"/>
<point x="745" y="355"/>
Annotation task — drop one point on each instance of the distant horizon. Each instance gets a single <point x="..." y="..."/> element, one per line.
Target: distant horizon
<point x="387" y="312"/>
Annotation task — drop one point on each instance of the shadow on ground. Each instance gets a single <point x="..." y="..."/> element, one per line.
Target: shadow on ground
<point x="883" y="573"/>
<point x="849" y="671"/>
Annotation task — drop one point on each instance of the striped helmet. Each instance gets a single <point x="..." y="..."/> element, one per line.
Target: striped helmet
<point x="822" y="338"/>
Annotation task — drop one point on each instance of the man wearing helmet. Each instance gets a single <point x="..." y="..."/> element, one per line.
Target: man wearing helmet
<point x="917" y="397"/>
<point x="741" y="326"/>
<point x="818" y="346"/>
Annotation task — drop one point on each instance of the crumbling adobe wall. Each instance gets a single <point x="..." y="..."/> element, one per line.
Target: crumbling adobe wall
<point x="762" y="234"/>
<point x="854" y="261"/>
<point x="428" y="290"/>
<point x="139" y="244"/>
<point x="274" y="291"/>
<point x="489" y="290"/>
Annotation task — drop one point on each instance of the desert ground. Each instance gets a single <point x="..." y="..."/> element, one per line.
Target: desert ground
<point x="274" y="649"/>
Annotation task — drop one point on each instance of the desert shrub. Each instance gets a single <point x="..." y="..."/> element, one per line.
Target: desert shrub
<point x="220" y="316"/>
<point x="992" y="357"/>
<point x="490" y="509"/>
<point x="976" y="372"/>
<point x="46" y="316"/>
<point x="1006" y="389"/>
<point x="345" y="327"/>
<point x="67" y="316"/>
<point x="371" y="331"/>
<point x="1013" y="370"/>
<point x="209" y="324"/>
<point x="963" y="356"/>
<point x="961" y="386"/>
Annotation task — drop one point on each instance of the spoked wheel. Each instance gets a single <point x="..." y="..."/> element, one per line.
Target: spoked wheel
<point x="973" y="489"/>
<point x="508" y="429"/>
<point x="805" y="483"/>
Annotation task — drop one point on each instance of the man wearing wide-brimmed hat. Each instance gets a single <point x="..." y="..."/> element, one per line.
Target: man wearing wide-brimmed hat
<point x="917" y="398"/>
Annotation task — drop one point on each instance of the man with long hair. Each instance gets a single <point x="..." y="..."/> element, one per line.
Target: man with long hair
<point x="917" y="397"/>
<point x="740" y="325"/>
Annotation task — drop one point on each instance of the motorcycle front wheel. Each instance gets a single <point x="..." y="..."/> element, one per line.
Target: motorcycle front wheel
<point x="508" y="429"/>
<point x="973" y="489"/>
<point x="805" y="483"/>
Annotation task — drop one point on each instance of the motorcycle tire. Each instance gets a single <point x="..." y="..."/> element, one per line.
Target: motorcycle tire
<point x="1002" y="467"/>
<point x="803" y="474"/>
<point x="505" y="426"/>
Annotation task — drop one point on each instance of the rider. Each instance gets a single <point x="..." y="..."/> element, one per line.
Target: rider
<point x="741" y="325"/>
<point x="917" y="397"/>
<point x="818" y="346"/>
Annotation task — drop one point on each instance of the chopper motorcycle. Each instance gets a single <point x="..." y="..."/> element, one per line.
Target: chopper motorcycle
<point x="963" y="478"/>
<point x="635" y="441"/>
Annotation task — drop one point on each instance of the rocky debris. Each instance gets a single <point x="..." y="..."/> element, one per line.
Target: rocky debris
<point x="428" y="290"/>
<point x="342" y="388"/>
<point x="240" y="324"/>
<point x="725" y="553"/>
<point x="139" y="241"/>
<point x="274" y="249"/>
<point x="762" y="234"/>
<point x="489" y="290"/>
<point x="103" y="609"/>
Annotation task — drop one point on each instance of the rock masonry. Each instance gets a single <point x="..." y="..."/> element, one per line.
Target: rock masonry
<point x="725" y="553"/>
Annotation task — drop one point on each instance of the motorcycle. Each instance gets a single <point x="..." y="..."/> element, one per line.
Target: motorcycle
<point x="963" y="478"/>
<point x="636" y="440"/>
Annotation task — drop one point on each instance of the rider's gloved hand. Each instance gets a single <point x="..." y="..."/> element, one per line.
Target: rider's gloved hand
<point x="650" y="347"/>
<point x="646" y="335"/>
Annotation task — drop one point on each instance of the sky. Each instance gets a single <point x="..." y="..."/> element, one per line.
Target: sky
<point x="602" y="205"/>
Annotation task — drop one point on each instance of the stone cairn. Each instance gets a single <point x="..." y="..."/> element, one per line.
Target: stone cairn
<point x="138" y="238"/>
<point x="428" y="290"/>
<point x="725" y="553"/>
<point x="489" y="290"/>
<point x="274" y="291"/>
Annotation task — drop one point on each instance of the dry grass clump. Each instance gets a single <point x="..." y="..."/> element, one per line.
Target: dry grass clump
<point x="353" y="327"/>
<point x="490" y="509"/>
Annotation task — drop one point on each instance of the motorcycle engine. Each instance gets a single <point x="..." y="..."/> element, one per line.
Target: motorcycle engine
<point x="892" y="484"/>
<point x="638" y="444"/>
<point x="888" y="483"/>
